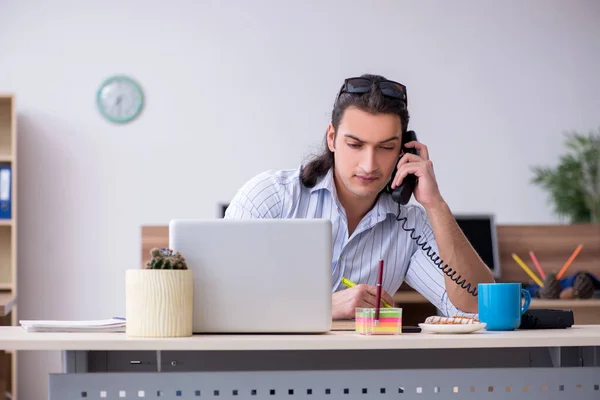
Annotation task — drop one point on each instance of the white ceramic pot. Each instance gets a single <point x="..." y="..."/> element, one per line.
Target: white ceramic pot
<point x="159" y="302"/>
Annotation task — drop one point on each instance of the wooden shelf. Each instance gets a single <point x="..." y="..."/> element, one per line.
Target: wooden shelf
<point x="585" y="311"/>
<point x="7" y="300"/>
<point x="564" y="304"/>
<point x="415" y="297"/>
<point x="8" y="234"/>
<point x="6" y="124"/>
<point x="407" y="296"/>
<point x="552" y="245"/>
<point x="6" y="257"/>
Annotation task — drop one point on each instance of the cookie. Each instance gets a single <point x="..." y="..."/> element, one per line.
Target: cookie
<point x="457" y="320"/>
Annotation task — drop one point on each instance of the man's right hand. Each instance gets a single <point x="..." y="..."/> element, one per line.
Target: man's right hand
<point x="344" y="303"/>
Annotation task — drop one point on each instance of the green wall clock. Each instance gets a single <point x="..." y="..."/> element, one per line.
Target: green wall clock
<point x="120" y="99"/>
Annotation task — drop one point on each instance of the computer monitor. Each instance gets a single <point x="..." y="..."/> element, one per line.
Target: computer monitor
<point x="480" y="230"/>
<point x="223" y="209"/>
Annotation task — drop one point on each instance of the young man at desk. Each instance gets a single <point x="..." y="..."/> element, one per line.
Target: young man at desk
<point x="348" y="184"/>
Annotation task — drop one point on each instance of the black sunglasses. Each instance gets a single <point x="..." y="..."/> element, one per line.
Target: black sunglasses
<point x="362" y="85"/>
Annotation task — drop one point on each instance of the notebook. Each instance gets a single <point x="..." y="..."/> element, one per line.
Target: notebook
<point x="103" y="326"/>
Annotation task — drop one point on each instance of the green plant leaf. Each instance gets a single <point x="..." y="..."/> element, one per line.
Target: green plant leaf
<point x="573" y="186"/>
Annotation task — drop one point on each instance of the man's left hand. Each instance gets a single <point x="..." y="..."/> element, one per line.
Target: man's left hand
<point x="426" y="190"/>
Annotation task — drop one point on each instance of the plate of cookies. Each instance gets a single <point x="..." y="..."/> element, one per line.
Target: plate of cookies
<point x="457" y="324"/>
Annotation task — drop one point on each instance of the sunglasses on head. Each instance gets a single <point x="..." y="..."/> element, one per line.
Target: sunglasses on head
<point x="363" y="85"/>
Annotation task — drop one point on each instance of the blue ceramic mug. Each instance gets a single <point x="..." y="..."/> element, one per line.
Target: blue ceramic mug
<point x="500" y="305"/>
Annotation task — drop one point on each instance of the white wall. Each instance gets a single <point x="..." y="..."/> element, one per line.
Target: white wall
<point x="234" y="88"/>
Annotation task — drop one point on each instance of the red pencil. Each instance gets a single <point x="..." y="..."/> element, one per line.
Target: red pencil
<point x="379" y="279"/>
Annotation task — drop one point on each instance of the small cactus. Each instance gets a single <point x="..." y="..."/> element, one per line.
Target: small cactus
<point x="166" y="259"/>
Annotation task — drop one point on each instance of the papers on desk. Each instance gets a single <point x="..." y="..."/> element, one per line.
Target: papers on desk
<point x="103" y="326"/>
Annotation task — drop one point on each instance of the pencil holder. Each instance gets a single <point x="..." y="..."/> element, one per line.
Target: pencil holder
<point x="159" y="303"/>
<point x="160" y="297"/>
<point x="551" y="289"/>
<point x="390" y="321"/>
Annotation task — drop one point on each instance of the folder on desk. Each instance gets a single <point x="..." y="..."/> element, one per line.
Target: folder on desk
<point x="5" y="192"/>
<point x="96" y="326"/>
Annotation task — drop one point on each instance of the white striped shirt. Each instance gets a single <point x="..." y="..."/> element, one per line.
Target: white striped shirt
<point x="281" y="194"/>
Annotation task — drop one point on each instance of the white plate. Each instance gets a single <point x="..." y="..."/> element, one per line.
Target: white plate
<point x="451" y="328"/>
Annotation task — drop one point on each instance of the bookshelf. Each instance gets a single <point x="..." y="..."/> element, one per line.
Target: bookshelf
<point x="8" y="240"/>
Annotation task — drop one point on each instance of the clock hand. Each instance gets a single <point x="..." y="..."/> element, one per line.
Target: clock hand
<point x="119" y="98"/>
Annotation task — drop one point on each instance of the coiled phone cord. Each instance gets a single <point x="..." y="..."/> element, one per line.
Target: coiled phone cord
<point x="437" y="261"/>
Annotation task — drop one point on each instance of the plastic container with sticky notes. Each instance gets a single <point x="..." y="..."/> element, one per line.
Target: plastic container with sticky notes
<point x="389" y="323"/>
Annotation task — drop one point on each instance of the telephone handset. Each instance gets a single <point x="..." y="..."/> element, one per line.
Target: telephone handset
<point x="401" y="195"/>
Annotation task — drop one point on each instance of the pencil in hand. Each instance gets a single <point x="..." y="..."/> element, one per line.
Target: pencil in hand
<point x="348" y="283"/>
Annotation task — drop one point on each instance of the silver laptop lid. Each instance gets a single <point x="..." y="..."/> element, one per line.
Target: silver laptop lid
<point x="260" y="275"/>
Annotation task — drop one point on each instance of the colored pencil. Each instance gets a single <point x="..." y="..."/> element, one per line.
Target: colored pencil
<point x="537" y="265"/>
<point x="569" y="261"/>
<point x="378" y="301"/>
<point x="527" y="270"/>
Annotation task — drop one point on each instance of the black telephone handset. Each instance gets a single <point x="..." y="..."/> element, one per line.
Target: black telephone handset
<point x="402" y="193"/>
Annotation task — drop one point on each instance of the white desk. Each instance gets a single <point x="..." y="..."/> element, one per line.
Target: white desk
<point x="15" y="338"/>
<point x="529" y="364"/>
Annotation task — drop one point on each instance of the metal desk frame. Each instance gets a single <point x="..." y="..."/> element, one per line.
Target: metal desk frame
<point x="474" y="373"/>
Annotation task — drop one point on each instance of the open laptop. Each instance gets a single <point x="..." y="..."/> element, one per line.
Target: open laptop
<point x="258" y="276"/>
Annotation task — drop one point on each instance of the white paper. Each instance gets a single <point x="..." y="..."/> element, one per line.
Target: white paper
<point x="105" y="325"/>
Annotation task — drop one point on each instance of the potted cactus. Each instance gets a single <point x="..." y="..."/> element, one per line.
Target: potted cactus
<point x="159" y="296"/>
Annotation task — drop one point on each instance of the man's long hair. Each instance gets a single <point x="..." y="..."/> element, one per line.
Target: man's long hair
<point x="373" y="102"/>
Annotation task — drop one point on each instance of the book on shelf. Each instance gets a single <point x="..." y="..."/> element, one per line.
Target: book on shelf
<point x="5" y="192"/>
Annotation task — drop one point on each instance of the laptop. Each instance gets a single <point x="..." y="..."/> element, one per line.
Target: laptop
<point x="259" y="275"/>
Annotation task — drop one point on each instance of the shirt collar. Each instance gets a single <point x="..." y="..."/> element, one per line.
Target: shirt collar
<point x="383" y="207"/>
<point x="325" y="182"/>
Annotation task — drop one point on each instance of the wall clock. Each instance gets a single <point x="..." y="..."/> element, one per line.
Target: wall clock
<point x="120" y="99"/>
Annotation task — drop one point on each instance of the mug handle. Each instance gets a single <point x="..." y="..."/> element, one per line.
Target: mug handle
<point x="527" y="296"/>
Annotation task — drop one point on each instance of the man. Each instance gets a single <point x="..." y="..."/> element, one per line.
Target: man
<point x="348" y="184"/>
